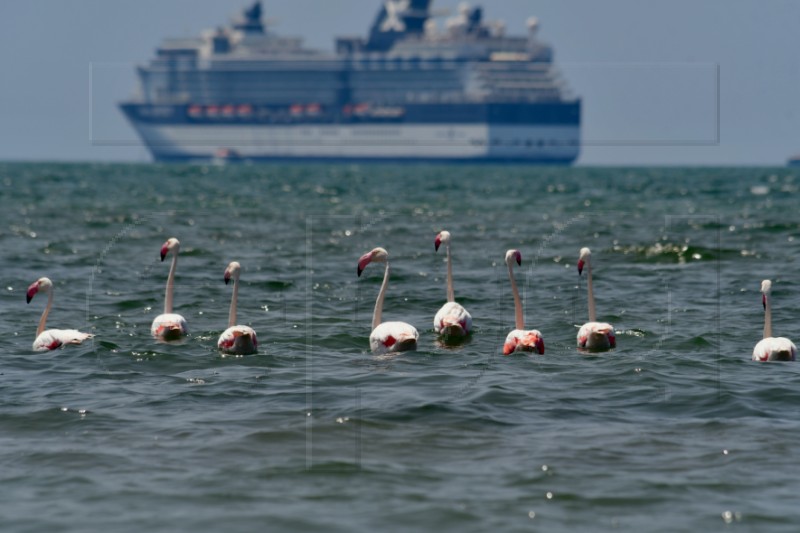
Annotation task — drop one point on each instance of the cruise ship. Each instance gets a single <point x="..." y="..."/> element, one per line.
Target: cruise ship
<point x="415" y="88"/>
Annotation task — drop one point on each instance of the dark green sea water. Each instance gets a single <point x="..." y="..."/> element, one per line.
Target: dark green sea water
<point x="675" y="430"/>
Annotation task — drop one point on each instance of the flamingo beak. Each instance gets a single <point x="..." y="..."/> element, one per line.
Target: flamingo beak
<point x="580" y="266"/>
<point x="763" y="301"/>
<point x="227" y="277"/>
<point x="363" y="261"/>
<point x="32" y="290"/>
<point x="164" y="251"/>
<point x="437" y="243"/>
<point x="519" y="258"/>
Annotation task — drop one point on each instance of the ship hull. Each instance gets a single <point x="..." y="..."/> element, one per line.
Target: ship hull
<point x="528" y="143"/>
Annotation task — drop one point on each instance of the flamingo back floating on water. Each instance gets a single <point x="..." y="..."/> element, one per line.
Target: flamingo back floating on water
<point x="169" y="326"/>
<point x="386" y="337"/>
<point x="593" y="335"/>
<point x="520" y="339"/>
<point x="50" y="339"/>
<point x="237" y="339"/>
<point x="452" y="321"/>
<point x="772" y="348"/>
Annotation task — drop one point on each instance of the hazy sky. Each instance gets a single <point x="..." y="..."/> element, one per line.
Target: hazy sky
<point x="670" y="82"/>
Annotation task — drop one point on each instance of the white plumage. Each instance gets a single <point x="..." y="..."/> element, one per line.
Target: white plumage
<point x="52" y="338"/>
<point x="520" y="339"/>
<point x="169" y="326"/>
<point x="772" y="348"/>
<point x="386" y="337"/>
<point x="452" y="321"/>
<point x="593" y="335"/>
<point x="237" y="339"/>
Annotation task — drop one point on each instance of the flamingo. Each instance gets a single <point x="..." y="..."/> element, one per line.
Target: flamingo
<point x="593" y="335"/>
<point x="520" y="339"/>
<point x="386" y="337"/>
<point x="169" y="326"/>
<point x="452" y="320"/>
<point x="237" y="340"/>
<point x="51" y="339"/>
<point x="772" y="348"/>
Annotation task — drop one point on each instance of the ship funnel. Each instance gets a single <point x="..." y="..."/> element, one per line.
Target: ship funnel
<point x="397" y="19"/>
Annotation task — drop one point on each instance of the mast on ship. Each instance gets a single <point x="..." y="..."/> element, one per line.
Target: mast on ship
<point x="251" y="19"/>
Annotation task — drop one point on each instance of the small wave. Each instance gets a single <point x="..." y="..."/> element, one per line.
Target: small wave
<point x="666" y="252"/>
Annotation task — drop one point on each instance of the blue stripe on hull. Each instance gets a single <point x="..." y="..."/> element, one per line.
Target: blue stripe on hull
<point x="370" y="160"/>
<point x="534" y="114"/>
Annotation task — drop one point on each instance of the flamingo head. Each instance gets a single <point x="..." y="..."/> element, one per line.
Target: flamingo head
<point x="41" y="284"/>
<point x="584" y="259"/>
<point x="443" y="237"/>
<point x="406" y="344"/>
<point x="766" y="288"/>
<point x="513" y="256"/>
<point x="378" y="255"/>
<point x="172" y="245"/>
<point x="532" y="342"/>
<point x="232" y="272"/>
<point x="604" y="335"/>
<point x="170" y="332"/>
<point x="524" y="341"/>
<point x="453" y="327"/>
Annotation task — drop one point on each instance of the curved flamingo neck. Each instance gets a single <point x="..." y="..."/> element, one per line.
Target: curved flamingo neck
<point x="590" y="290"/>
<point x="376" y="315"/>
<point x="170" y="283"/>
<point x="451" y="295"/>
<point x="43" y="319"/>
<point x="767" y="317"/>
<point x="520" y="323"/>
<point x="234" y="299"/>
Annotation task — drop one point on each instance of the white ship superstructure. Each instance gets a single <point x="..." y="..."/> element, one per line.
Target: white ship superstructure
<point x="409" y="91"/>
